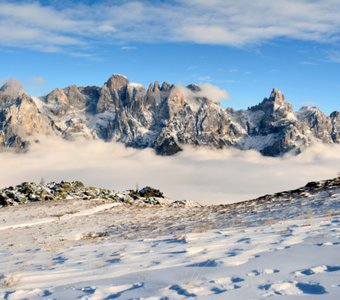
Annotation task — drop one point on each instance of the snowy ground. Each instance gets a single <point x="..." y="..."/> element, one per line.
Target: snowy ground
<point x="99" y="250"/>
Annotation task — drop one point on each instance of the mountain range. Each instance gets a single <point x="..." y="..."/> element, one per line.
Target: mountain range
<point x="163" y="117"/>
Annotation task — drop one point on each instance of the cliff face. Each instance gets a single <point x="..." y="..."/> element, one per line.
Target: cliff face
<point x="163" y="117"/>
<point x="21" y="120"/>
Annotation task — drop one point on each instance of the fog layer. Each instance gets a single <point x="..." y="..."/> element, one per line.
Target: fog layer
<point x="203" y="175"/>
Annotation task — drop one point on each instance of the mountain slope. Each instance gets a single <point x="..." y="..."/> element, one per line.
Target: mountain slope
<point x="284" y="244"/>
<point x="163" y="117"/>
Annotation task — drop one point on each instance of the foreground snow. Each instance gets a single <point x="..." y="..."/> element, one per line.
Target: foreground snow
<point x="99" y="250"/>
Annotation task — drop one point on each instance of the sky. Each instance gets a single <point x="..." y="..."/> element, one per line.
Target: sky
<point x="244" y="47"/>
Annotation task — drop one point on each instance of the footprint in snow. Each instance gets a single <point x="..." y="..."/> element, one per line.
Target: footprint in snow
<point x="225" y="284"/>
<point x="270" y="271"/>
<point x="59" y="260"/>
<point x="172" y="253"/>
<point x="46" y="293"/>
<point x="207" y="263"/>
<point x="182" y="291"/>
<point x="88" y="289"/>
<point x="234" y="252"/>
<point x="254" y="273"/>
<point x="292" y="288"/>
<point x="109" y="292"/>
<point x="311" y="288"/>
<point x="244" y="240"/>
<point x="113" y="260"/>
<point x="328" y="244"/>
<point x="316" y="270"/>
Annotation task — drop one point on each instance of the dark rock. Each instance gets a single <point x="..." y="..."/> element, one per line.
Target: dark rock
<point x="148" y="192"/>
<point x="167" y="146"/>
<point x="313" y="184"/>
<point x="193" y="88"/>
<point x="4" y="200"/>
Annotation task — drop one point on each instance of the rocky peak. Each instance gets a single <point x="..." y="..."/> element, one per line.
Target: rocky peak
<point x="166" y="86"/>
<point x="277" y="97"/>
<point x="10" y="91"/>
<point x="309" y="112"/>
<point x="58" y="102"/>
<point x="153" y="87"/>
<point x="156" y="86"/>
<point x="117" y="81"/>
<point x="56" y="96"/>
<point x="274" y="106"/>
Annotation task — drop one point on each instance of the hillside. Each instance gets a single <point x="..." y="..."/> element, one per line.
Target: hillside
<point x="281" y="244"/>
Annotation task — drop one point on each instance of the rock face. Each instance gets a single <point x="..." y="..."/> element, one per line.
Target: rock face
<point x="20" y="119"/>
<point x="163" y="117"/>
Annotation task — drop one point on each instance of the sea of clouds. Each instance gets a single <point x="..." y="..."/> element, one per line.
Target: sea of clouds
<point x="200" y="174"/>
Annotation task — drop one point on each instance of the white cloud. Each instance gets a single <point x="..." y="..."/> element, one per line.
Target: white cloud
<point x="212" y="92"/>
<point x="207" y="90"/>
<point x="208" y="176"/>
<point x="106" y="28"/>
<point x="234" y="23"/>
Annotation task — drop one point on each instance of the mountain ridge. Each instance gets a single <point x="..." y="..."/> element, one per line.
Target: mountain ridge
<point x="163" y="117"/>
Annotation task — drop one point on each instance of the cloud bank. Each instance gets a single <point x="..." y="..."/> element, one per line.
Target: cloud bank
<point x="64" y="25"/>
<point x="207" y="176"/>
<point x="207" y="90"/>
<point x="212" y="92"/>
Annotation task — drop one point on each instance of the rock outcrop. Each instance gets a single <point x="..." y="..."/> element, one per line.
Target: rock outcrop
<point x="27" y="192"/>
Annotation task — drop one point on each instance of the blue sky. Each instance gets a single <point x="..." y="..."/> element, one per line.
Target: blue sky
<point x="244" y="47"/>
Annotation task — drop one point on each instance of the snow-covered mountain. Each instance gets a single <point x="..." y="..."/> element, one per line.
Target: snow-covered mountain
<point x="164" y="117"/>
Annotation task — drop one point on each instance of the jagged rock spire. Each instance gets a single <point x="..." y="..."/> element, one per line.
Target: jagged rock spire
<point x="277" y="96"/>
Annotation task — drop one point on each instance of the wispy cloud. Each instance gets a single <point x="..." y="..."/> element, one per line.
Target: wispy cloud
<point x="231" y="81"/>
<point x="37" y="85"/>
<point x="334" y="56"/>
<point x="204" y="78"/>
<point x="308" y="63"/>
<point x="128" y="48"/>
<point x="54" y="27"/>
<point x="308" y="103"/>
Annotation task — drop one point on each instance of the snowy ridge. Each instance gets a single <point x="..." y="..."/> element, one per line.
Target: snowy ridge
<point x="282" y="244"/>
